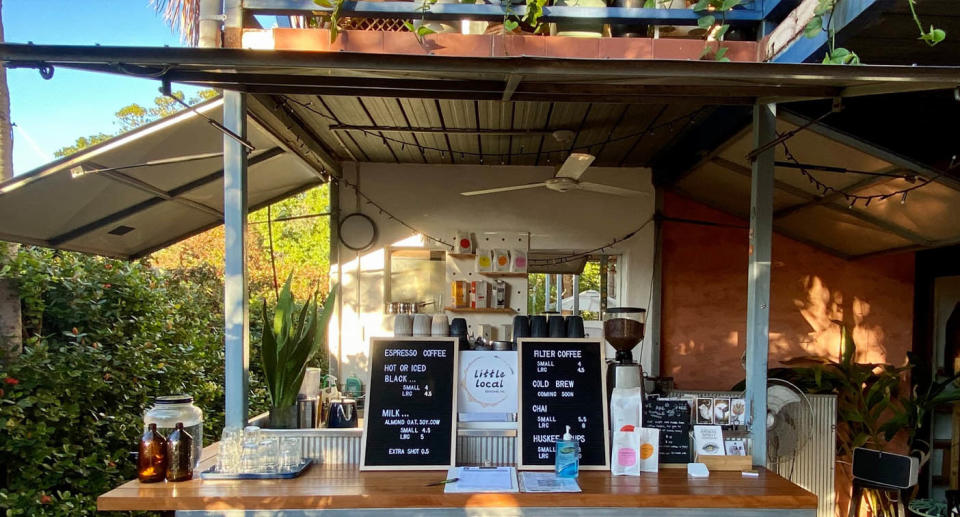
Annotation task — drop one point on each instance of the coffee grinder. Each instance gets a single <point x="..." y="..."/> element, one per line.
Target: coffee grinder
<point x="623" y="329"/>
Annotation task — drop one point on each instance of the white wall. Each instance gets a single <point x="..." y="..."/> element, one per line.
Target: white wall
<point x="427" y="198"/>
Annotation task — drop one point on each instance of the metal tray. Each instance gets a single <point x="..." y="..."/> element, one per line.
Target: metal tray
<point x="212" y="473"/>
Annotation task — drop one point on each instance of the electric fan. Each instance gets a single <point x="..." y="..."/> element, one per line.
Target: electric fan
<point x="789" y="421"/>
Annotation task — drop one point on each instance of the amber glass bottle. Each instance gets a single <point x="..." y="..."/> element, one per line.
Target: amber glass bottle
<point x="152" y="460"/>
<point x="179" y="455"/>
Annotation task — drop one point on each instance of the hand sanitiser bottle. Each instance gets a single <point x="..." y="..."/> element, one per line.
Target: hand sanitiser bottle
<point x="567" y="456"/>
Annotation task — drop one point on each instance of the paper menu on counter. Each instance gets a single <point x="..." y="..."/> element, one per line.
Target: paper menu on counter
<point x="547" y="482"/>
<point x="482" y="479"/>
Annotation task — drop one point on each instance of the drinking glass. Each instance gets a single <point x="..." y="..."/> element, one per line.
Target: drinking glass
<point x="269" y="454"/>
<point x="229" y="450"/>
<point x="291" y="453"/>
<point x="250" y="457"/>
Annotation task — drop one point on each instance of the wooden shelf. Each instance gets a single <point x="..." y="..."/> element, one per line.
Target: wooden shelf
<point x="480" y="311"/>
<point x="503" y="274"/>
<point x="464" y="256"/>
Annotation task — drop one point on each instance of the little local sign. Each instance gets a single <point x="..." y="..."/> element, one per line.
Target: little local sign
<point x="488" y="386"/>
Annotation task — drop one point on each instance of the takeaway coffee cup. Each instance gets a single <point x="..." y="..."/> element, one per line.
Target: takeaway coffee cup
<point x="403" y="325"/>
<point x="556" y="326"/>
<point x="575" y="327"/>
<point x="538" y="326"/>
<point x="422" y="324"/>
<point x="521" y="327"/>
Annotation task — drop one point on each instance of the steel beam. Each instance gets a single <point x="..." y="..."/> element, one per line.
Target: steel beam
<point x="758" y="278"/>
<point x="150" y="61"/>
<point x="235" y="301"/>
<point x="278" y="118"/>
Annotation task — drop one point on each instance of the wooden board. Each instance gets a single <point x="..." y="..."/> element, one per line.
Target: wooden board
<point x="345" y="487"/>
<point x="562" y="383"/>
<point x="410" y="418"/>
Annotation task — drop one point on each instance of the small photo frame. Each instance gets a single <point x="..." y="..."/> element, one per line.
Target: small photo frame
<point x="735" y="447"/>
<point x="738" y="412"/>
<point x="721" y="411"/>
<point x="704" y="410"/>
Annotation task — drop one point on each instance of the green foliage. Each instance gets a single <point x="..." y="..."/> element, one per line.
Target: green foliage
<point x="708" y="11"/>
<point x="866" y="393"/>
<point x="336" y="13"/>
<point x="289" y="342"/>
<point x="106" y="337"/>
<point x="81" y="143"/>
<point x="823" y="15"/>
<point x="533" y="14"/>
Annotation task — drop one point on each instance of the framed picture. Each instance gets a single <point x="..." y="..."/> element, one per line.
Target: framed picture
<point x="738" y="412"/>
<point x="704" y="410"/>
<point x="721" y="411"/>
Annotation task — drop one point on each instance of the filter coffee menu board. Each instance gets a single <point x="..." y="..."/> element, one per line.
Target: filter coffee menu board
<point x="410" y="415"/>
<point x="561" y="384"/>
<point x="672" y="418"/>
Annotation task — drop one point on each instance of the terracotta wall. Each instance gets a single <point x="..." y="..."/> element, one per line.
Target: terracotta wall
<point x="705" y="300"/>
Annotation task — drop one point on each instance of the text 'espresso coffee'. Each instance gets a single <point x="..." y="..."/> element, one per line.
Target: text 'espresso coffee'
<point x="410" y="417"/>
<point x="562" y="384"/>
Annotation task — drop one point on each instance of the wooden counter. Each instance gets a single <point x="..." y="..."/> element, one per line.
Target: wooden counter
<point x="345" y="487"/>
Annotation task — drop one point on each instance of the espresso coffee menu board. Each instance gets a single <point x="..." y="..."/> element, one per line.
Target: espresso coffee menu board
<point x="410" y="416"/>
<point x="562" y="383"/>
<point x="672" y="418"/>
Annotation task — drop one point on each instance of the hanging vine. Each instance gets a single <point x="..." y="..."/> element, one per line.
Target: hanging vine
<point x="823" y="19"/>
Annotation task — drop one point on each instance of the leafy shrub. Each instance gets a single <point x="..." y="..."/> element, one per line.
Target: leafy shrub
<point x="105" y="338"/>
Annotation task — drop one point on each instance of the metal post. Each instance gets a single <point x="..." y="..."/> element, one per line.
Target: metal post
<point x="656" y="288"/>
<point x="559" y="302"/>
<point x="576" y="295"/>
<point x="211" y="17"/>
<point x="235" y="301"/>
<point x="546" y="292"/>
<point x="333" y="365"/>
<point x="604" y="288"/>
<point x="758" y="278"/>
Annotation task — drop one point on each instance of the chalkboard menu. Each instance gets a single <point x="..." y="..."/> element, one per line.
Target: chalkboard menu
<point x="561" y="384"/>
<point x="410" y="415"/>
<point x="672" y="418"/>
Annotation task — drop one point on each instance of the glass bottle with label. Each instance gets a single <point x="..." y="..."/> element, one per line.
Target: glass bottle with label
<point x="179" y="455"/>
<point x="152" y="458"/>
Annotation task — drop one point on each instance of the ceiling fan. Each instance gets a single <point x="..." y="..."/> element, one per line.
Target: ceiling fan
<point x="568" y="175"/>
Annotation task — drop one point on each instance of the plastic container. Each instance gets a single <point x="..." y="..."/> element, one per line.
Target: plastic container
<point x="567" y="463"/>
<point x="170" y="409"/>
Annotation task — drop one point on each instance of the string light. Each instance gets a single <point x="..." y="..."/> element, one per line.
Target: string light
<point x="852" y="198"/>
<point x="574" y="256"/>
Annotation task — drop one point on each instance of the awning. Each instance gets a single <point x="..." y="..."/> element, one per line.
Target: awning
<point x="145" y="189"/>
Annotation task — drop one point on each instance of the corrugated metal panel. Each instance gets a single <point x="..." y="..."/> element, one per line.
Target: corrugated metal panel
<point x="815" y="464"/>
<point x="477" y="450"/>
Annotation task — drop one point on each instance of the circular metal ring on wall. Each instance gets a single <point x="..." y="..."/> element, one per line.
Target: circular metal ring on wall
<point x="358" y="231"/>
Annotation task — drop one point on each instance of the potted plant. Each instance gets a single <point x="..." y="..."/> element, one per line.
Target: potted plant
<point x="288" y="342"/>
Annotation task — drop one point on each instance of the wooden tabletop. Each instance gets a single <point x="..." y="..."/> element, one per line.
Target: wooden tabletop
<point x="344" y="486"/>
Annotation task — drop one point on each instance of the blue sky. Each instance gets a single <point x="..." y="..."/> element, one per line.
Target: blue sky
<point x="52" y="114"/>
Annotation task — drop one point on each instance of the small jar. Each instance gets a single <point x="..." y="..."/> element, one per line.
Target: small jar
<point x="170" y="409"/>
<point x="179" y="454"/>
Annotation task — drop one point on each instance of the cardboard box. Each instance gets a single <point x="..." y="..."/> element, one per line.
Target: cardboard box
<point x="479" y="294"/>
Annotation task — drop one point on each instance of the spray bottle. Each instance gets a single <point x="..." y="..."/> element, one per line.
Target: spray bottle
<point x="567" y="456"/>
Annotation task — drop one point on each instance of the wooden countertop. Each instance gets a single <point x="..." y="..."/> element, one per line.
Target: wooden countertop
<point x="344" y="486"/>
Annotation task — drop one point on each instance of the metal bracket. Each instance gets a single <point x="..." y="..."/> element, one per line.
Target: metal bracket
<point x="166" y="91"/>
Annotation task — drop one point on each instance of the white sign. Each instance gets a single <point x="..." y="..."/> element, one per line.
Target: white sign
<point x="488" y="386"/>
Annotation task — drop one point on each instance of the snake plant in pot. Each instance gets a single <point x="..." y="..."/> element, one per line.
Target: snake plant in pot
<point x="289" y="340"/>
